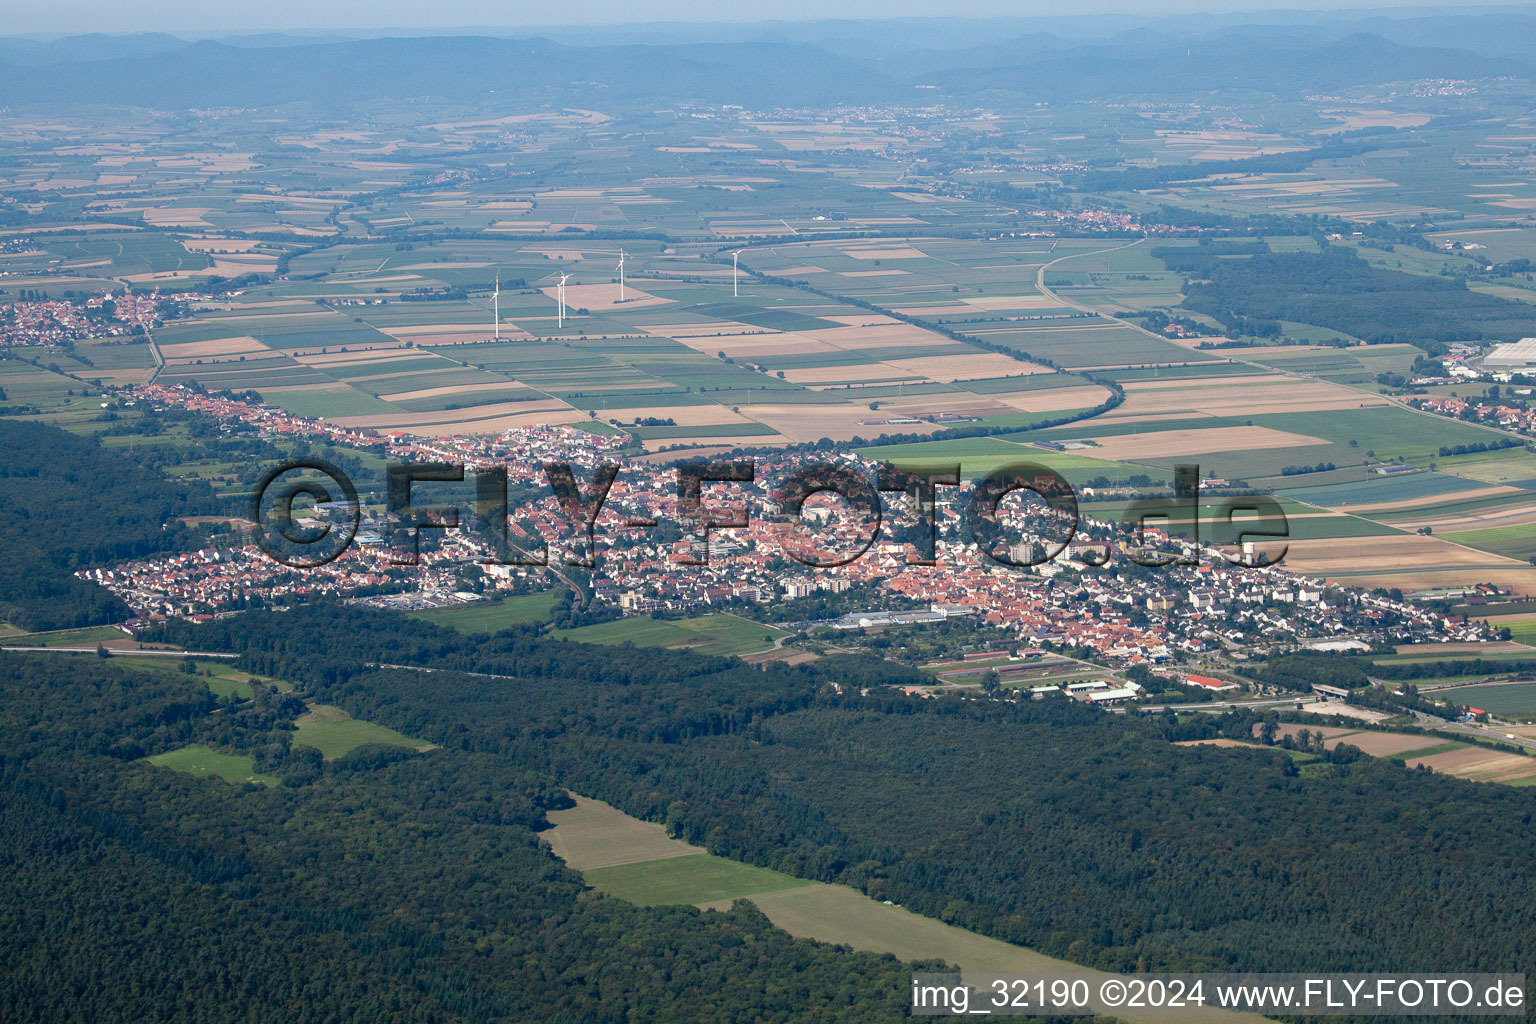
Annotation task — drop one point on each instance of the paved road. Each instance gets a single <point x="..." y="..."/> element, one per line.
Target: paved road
<point x="1219" y="705"/>
<point x="1493" y="731"/>
<point x="117" y="653"/>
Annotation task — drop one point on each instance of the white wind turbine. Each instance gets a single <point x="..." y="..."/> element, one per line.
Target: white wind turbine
<point x="496" y="307"/>
<point x="561" y="295"/>
<point x="621" y="275"/>
<point x="735" y="274"/>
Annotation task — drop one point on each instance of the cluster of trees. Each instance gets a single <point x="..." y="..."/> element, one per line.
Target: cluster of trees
<point x="453" y="293"/>
<point x="67" y="503"/>
<point x="390" y="887"/>
<point x="1478" y="446"/>
<point x="1512" y="267"/>
<point x="1443" y="669"/>
<point x="1397" y="701"/>
<point x="1299" y="671"/>
<point x="1338" y="290"/>
<point x="1321" y="467"/>
<point x="1157" y="320"/>
<point x="1045" y="823"/>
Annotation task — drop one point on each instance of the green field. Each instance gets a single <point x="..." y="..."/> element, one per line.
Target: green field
<point x="711" y="634"/>
<point x="228" y="682"/>
<point x="491" y="616"/>
<point x="1390" y="432"/>
<point x="1430" y="655"/>
<point x="697" y="878"/>
<point x="333" y="732"/>
<point x="1513" y="541"/>
<point x="1430" y="750"/>
<point x="67" y="637"/>
<point x="978" y="456"/>
<point x="341" y="402"/>
<point x="1515" y="699"/>
<point x="1522" y="631"/>
<point x="200" y="760"/>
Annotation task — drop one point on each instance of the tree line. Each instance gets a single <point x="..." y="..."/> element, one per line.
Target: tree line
<point x="1048" y="823"/>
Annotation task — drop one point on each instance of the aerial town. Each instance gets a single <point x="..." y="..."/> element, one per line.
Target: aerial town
<point x="1121" y="612"/>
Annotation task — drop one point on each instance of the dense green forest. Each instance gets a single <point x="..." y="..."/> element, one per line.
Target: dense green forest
<point x="1046" y="823"/>
<point x="67" y="503"/>
<point x="1338" y="290"/>
<point x="380" y="887"/>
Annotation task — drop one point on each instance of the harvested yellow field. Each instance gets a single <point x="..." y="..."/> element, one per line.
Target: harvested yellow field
<point x="233" y="347"/>
<point x="1168" y="443"/>
<point x="177" y="217"/>
<point x="1054" y="400"/>
<point x="1408" y="561"/>
<point x="1267" y="394"/>
<point x="469" y="423"/>
<point x="896" y="335"/>
<point x="813" y="422"/>
<point x="527" y="413"/>
<point x="1466" y="521"/>
<point x="966" y="366"/>
<point x="919" y="406"/>
<point x="458" y="389"/>
<point x="862" y="320"/>
<point x="1386" y="744"/>
<point x="371" y="354"/>
<point x="722" y="443"/>
<point x="1478" y="764"/>
<point x="596" y="835"/>
<point x="864" y="373"/>
<point x="1032" y="301"/>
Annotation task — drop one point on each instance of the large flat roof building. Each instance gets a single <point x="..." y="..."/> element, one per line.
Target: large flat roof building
<point x="1516" y="355"/>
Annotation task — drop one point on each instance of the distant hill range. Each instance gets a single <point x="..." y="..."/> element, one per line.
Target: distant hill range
<point x="777" y="65"/>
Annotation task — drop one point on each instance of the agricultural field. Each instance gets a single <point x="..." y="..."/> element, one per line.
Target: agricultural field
<point x="893" y="306"/>
<point x="722" y="634"/>
<point x="334" y="733"/>
<point x="712" y="360"/>
<point x="1507" y="700"/>
<point x="491" y="616"/>
<point x="1517" y="541"/>
<point x="1437" y="753"/>
<point x="89" y="636"/>
<point x="636" y="861"/>
<point x="697" y="878"/>
<point x="202" y="761"/>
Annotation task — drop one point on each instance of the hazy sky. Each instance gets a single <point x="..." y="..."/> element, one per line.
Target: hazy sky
<point x="201" y="16"/>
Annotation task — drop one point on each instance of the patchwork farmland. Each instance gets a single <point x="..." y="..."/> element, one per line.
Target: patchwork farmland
<point x="863" y="339"/>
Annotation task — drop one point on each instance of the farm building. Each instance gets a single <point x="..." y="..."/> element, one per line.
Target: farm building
<point x="1217" y="685"/>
